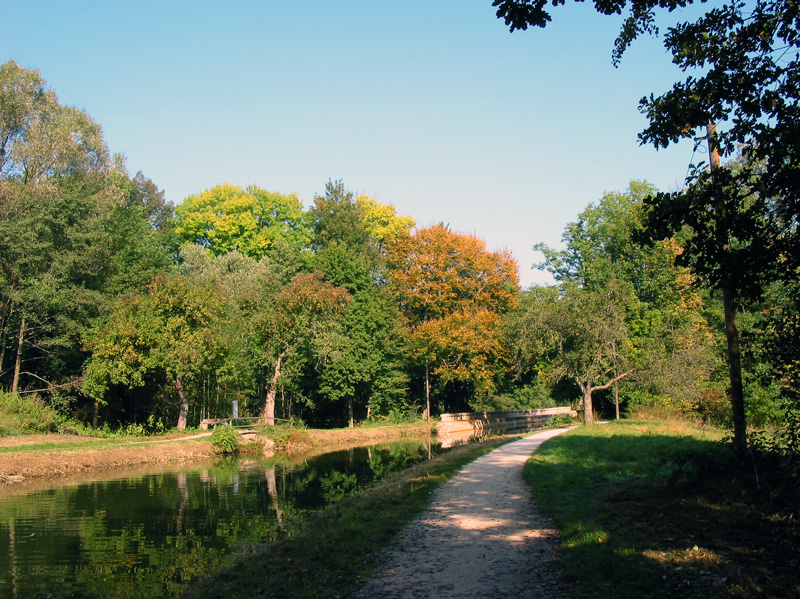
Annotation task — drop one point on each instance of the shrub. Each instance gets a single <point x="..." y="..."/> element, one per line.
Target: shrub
<point x="225" y="439"/>
<point x="288" y="438"/>
<point x="27" y="414"/>
<point x="134" y="430"/>
<point x="775" y="463"/>
<point x="560" y="420"/>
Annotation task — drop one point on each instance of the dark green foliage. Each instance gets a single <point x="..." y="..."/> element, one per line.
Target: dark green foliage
<point x="775" y="465"/>
<point x="739" y="223"/>
<point x="561" y="420"/>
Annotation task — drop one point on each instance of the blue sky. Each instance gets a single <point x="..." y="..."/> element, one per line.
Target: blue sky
<point x="430" y="105"/>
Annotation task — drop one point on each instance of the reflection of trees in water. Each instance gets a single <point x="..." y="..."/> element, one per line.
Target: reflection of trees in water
<point x="148" y="535"/>
<point x="143" y="537"/>
<point x="272" y="489"/>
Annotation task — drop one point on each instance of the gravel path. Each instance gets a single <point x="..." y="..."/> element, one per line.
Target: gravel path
<point x="480" y="537"/>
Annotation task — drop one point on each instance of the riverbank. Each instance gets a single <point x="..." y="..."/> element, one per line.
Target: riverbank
<point x="26" y="458"/>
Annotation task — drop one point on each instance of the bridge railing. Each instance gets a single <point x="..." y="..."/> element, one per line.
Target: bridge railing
<point x="508" y="421"/>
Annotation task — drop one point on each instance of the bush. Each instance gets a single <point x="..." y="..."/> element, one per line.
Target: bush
<point x="775" y="463"/>
<point x="560" y="420"/>
<point x="764" y="405"/>
<point x="714" y="408"/>
<point x="134" y="430"/>
<point x="397" y="416"/>
<point x="225" y="439"/>
<point x="25" y="415"/>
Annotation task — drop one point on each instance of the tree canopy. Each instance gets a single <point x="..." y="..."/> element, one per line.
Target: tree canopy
<point x="741" y="91"/>
<point x="118" y="308"/>
<point x="251" y="221"/>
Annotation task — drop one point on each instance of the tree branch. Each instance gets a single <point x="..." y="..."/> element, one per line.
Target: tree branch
<point x="614" y="380"/>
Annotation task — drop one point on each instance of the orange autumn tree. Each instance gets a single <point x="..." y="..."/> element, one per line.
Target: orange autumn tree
<point x="452" y="292"/>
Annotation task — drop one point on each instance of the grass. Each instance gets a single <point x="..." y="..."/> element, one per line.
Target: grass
<point x="336" y="549"/>
<point x="652" y="509"/>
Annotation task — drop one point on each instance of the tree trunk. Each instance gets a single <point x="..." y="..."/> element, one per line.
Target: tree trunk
<point x="350" y="412"/>
<point x="735" y="372"/>
<point x="588" y="416"/>
<point x="183" y="414"/>
<point x="272" y="389"/>
<point x="427" y="393"/>
<point x="4" y="336"/>
<point x="18" y="362"/>
<point x="729" y="308"/>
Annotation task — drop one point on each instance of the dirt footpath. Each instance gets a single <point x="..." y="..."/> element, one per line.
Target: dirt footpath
<point x="480" y="537"/>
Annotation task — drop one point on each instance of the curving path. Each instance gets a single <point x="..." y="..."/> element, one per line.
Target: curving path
<point x="480" y="537"/>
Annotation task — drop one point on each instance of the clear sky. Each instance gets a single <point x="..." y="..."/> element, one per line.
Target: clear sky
<point x="430" y="105"/>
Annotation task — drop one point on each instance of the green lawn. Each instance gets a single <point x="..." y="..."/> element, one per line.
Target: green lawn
<point x="651" y="509"/>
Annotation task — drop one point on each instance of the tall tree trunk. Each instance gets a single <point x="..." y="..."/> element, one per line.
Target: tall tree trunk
<point x="427" y="393"/>
<point x="272" y="389"/>
<point x="18" y="362"/>
<point x="351" y="420"/>
<point x="735" y="372"/>
<point x="729" y="307"/>
<point x="4" y="335"/>
<point x="183" y="414"/>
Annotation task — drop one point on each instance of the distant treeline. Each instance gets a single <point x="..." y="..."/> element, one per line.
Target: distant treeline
<point x="117" y="307"/>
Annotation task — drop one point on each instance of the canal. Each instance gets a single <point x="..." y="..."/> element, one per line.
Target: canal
<point x="147" y="535"/>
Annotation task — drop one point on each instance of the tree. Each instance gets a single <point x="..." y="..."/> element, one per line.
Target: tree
<point x="381" y="220"/>
<point x="241" y="284"/>
<point x="363" y="365"/>
<point x="663" y="308"/>
<point x="448" y="286"/>
<point x="251" y="220"/>
<point x="172" y="331"/>
<point x="75" y="232"/>
<point x="573" y="333"/>
<point x="40" y="138"/>
<point x="288" y="321"/>
<point x="362" y="369"/>
<point x="744" y="61"/>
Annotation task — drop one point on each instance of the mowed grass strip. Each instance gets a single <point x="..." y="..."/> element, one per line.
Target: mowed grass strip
<point x="653" y="509"/>
<point x="336" y="549"/>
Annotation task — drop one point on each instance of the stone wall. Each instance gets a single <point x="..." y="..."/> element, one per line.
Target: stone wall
<point x="463" y="426"/>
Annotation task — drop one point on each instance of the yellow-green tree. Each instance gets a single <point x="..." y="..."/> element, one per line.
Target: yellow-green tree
<point x="251" y="220"/>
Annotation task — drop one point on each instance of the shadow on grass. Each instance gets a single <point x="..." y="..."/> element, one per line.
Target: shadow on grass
<point x="646" y="512"/>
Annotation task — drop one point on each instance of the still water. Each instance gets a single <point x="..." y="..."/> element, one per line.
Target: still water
<point x="148" y="535"/>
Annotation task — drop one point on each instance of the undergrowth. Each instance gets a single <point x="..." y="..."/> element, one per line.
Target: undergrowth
<point x="29" y="414"/>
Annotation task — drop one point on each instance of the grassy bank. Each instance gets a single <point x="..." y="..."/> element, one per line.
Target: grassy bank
<point x="31" y="454"/>
<point x="650" y="509"/>
<point x="328" y="556"/>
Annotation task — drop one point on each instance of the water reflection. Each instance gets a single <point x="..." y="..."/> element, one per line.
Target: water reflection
<point x="148" y="535"/>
